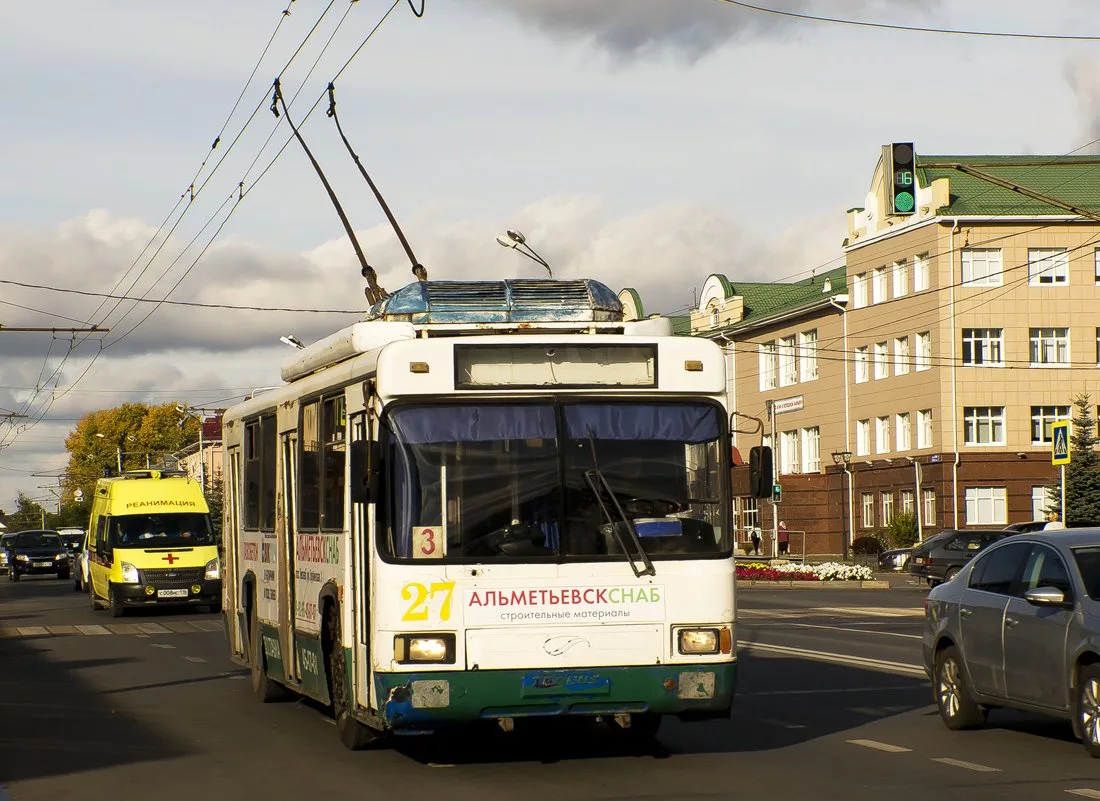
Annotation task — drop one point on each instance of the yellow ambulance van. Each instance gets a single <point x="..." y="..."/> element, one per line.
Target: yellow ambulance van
<point x="150" y="541"/>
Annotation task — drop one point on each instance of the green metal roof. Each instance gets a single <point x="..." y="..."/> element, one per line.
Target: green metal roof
<point x="681" y="324"/>
<point x="1072" y="179"/>
<point x="763" y="300"/>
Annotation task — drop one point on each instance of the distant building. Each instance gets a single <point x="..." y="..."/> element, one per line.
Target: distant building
<point x="204" y="464"/>
<point x="935" y="362"/>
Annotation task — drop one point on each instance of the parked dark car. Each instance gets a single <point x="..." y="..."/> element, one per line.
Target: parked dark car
<point x="896" y="560"/>
<point x="940" y="558"/>
<point x="4" y="538"/>
<point x="1026" y="528"/>
<point x="1020" y="628"/>
<point x="37" y="552"/>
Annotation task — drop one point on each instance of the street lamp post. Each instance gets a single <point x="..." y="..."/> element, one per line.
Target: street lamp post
<point x="844" y="458"/>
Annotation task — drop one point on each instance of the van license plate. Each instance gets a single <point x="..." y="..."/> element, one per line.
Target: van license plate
<point x="43" y="564"/>
<point x="171" y="593"/>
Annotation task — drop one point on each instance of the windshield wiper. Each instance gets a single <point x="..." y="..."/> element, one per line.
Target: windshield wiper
<point x="591" y="476"/>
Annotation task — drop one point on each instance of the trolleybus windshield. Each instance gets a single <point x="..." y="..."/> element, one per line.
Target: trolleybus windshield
<point x="492" y="481"/>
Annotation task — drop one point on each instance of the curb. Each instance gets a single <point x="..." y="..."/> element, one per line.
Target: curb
<point x="870" y="584"/>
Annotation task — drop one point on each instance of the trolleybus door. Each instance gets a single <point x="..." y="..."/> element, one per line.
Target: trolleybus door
<point x="359" y="567"/>
<point x="231" y="532"/>
<point x="288" y="517"/>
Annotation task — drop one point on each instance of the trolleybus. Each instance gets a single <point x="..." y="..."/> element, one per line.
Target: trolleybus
<point x="487" y="501"/>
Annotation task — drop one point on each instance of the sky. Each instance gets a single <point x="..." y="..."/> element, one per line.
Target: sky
<point x="643" y="143"/>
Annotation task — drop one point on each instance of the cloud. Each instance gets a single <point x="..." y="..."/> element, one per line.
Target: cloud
<point x="689" y="29"/>
<point x="1080" y="72"/>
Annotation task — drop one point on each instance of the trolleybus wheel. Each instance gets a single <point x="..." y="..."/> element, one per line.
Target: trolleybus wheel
<point x="354" y="735"/>
<point x="264" y="688"/>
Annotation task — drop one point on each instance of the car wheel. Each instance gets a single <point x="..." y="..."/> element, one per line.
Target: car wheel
<point x="1088" y="708"/>
<point x="956" y="705"/>
<point x="951" y="573"/>
<point x="114" y="603"/>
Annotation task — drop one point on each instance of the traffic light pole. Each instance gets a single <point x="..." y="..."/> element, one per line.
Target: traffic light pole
<point x="775" y="480"/>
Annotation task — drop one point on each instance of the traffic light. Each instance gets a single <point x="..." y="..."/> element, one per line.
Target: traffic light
<point x="760" y="471"/>
<point x="903" y="179"/>
<point x="777" y="493"/>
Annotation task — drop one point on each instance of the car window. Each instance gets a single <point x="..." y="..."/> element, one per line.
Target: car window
<point x="956" y="543"/>
<point x="990" y="538"/>
<point x="1088" y="564"/>
<point x="1044" y="568"/>
<point x="997" y="570"/>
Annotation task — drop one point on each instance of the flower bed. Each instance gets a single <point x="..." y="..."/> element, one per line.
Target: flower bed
<point x="828" y="571"/>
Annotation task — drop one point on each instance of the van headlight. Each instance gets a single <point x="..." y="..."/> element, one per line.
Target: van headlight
<point x="698" y="641"/>
<point x="424" y="648"/>
<point x="214" y="569"/>
<point x="130" y="574"/>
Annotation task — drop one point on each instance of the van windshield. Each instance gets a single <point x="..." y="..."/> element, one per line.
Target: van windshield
<point x="175" y="530"/>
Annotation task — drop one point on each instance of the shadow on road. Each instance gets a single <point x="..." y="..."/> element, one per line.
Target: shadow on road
<point x="781" y="703"/>
<point x="52" y="722"/>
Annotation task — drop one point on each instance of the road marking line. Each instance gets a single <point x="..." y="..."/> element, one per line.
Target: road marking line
<point x="857" y="631"/>
<point x="92" y="630"/>
<point x="873" y="611"/>
<point x="181" y="628"/>
<point x="152" y="628"/>
<point x="62" y="629"/>
<point x="207" y="625"/>
<point x="869" y="711"/>
<point x="876" y="745"/>
<point x="9" y="631"/>
<point x="958" y="763"/>
<point x="161" y="645"/>
<point x="1084" y="792"/>
<point x="195" y="659"/>
<point x="841" y="659"/>
<point x="123" y="628"/>
<point x="32" y="631"/>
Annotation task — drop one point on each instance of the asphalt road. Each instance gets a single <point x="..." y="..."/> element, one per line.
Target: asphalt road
<point x="831" y="705"/>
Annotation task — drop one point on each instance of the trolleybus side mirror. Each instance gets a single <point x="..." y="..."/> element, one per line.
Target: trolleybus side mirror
<point x="364" y="470"/>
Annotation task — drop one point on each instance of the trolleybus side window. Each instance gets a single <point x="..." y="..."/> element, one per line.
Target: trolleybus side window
<point x="259" y="474"/>
<point x="321" y="465"/>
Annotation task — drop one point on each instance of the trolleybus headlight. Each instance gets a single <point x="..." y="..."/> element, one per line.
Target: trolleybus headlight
<point x="424" y="648"/>
<point x="130" y="574"/>
<point x="214" y="569"/>
<point x="698" y="641"/>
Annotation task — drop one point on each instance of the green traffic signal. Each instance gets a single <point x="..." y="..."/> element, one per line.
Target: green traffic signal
<point x="903" y="201"/>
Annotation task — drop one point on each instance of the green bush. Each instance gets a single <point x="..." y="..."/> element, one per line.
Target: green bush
<point x="866" y="545"/>
<point x="902" y="530"/>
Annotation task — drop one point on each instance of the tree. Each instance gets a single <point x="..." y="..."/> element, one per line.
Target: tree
<point x="1083" y="471"/>
<point x="902" y="529"/>
<point x="215" y="499"/>
<point x="29" y="514"/>
<point x="140" y="435"/>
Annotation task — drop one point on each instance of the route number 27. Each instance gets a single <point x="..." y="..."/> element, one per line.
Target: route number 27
<point x="420" y="599"/>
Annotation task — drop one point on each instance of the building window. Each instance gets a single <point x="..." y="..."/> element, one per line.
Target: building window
<point x="863" y="365"/>
<point x="863" y="437"/>
<point x="887" y="507"/>
<point x="928" y="512"/>
<point x="882" y="435"/>
<point x="901" y="279"/>
<point x="901" y="355"/>
<point x="807" y="342"/>
<point x="902" y="431"/>
<point x="750" y="513"/>
<point x="981" y="267"/>
<point x="1098" y="347"/>
<point x="714" y="317"/>
<point x="983" y="347"/>
<point x="878" y="285"/>
<point x="1049" y="346"/>
<point x="882" y="364"/>
<point x="1042" y="418"/>
<point x="986" y="506"/>
<point x="984" y="425"/>
<point x="1047" y="267"/>
<point x="769" y="366"/>
<point x="867" y="519"/>
<point x="921" y="271"/>
<point x="907" y="502"/>
<point x="924" y="428"/>
<point x="859" y="291"/>
<point x="811" y="450"/>
<point x="788" y="452"/>
<point x="924" y="351"/>
<point x="787" y="373"/>
<point x="1096" y="266"/>
<point x="1040" y="501"/>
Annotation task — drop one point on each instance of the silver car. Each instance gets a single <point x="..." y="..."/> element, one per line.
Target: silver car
<point x="1019" y="627"/>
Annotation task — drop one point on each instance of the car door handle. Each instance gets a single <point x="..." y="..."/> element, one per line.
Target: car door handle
<point x="1011" y="621"/>
<point x="965" y="612"/>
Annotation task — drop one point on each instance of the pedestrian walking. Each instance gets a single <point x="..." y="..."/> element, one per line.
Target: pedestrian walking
<point x="784" y="537"/>
<point x="755" y="534"/>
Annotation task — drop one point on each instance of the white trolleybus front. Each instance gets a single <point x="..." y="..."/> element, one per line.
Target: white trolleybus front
<point x="488" y="500"/>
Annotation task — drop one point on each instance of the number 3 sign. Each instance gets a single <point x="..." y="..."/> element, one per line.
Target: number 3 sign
<point x="429" y="542"/>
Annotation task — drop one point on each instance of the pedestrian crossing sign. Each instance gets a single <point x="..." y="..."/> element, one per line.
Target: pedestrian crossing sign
<point x="1059" y="443"/>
